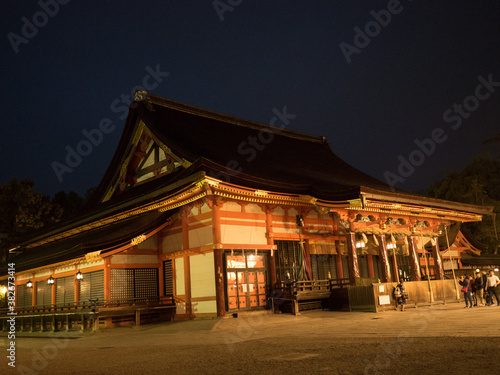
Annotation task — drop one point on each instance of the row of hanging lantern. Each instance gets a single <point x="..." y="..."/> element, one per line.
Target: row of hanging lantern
<point x="51" y="280"/>
<point x="362" y="240"/>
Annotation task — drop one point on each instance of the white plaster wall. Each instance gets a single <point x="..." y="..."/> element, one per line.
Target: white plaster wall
<point x="312" y="215"/>
<point x="43" y="274"/>
<point x="180" y="288"/>
<point x="252" y="208"/>
<point x="279" y="211"/>
<point x="200" y="236"/>
<point x="91" y="264"/>
<point x="205" y="208"/>
<point x="65" y="269"/>
<point x="205" y="307"/>
<point x="171" y="243"/>
<point x="150" y="243"/>
<point x="291" y="229"/>
<point x="202" y="275"/>
<point x="326" y="217"/>
<point x="231" y="207"/>
<point x="239" y="234"/>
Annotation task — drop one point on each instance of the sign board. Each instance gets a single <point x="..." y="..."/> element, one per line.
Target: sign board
<point x="384" y="300"/>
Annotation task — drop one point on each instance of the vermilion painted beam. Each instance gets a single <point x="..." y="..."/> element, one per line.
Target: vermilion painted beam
<point x="438" y="262"/>
<point x="414" y="261"/>
<point x="338" y="258"/>
<point x="371" y="272"/>
<point x="353" y="258"/>
<point x="386" y="269"/>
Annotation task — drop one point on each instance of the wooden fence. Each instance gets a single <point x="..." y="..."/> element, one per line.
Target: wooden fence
<point x="420" y="293"/>
<point x="89" y="314"/>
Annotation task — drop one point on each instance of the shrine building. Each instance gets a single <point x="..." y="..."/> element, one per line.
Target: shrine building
<point x="202" y="214"/>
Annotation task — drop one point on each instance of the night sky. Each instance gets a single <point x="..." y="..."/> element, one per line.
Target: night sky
<point x="374" y="88"/>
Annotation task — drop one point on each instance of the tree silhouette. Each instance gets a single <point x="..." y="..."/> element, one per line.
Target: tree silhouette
<point x="478" y="183"/>
<point x="23" y="210"/>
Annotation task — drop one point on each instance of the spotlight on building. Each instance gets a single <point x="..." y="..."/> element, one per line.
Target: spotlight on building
<point x="50" y="280"/>
<point x="79" y="275"/>
<point x="29" y="284"/>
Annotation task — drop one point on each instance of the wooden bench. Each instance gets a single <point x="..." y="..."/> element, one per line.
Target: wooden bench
<point x="306" y="294"/>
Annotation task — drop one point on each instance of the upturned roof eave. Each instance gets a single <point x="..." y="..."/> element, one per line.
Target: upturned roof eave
<point x="400" y="197"/>
<point x="113" y="208"/>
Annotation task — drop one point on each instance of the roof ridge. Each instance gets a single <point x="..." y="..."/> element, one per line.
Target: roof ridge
<point x="234" y="120"/>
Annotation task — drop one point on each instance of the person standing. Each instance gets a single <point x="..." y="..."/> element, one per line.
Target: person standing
<point x="472" y="290"/>
<point x="479" y="284"/>
<point x="487" y="297"/>
<point x="402" y="295"/>
<point x="464" y="282"/>
<point x="493" y="281"/>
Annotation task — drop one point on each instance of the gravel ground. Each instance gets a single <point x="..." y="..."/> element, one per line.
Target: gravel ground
<point x="430" y="340"/>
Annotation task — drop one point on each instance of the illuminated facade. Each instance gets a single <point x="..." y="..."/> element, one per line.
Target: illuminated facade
<point x="212" y="212"/>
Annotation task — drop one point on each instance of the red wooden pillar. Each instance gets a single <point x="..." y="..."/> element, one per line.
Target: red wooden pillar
<point x="438" y="262"/>
<point x="307" y="260"/>
<point x="270" y="241"/>
<point x="187" y="286"/>
<point x="107" y="278"/>
<point x="371" y="272"/>
<point x="77" y="286"/>
<point x="185" y="228"/>
<point x="395" y="267"/>
<point x="414" y="260"/>
<point x="338" y="258"/>
<point x="53" y="290"/>
<point x="218" y="257"/>
<point x="386" y="268"/>
<point x="353" y="258"/>
<point x="33" y="292"/>
<point x="187" y="267"/>
<point x="161" y="276"/>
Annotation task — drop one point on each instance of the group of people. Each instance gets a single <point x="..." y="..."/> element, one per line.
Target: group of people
<point x="479" y="291"/>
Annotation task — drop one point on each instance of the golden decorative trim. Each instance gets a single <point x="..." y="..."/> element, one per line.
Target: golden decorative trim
<point x="182" y="203"/>
<point x="137" y="240"/>
<point x="355" y="203"/>
<point x="93" y="256"/>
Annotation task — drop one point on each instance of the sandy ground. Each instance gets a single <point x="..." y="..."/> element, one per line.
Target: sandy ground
<point x="442" y="339"/>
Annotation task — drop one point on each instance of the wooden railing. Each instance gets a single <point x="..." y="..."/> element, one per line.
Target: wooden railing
<point x="310" y="287"/>
<point x="86" y="314"/>
<point x="305" y="292"/>
<point x="91" y="304"/>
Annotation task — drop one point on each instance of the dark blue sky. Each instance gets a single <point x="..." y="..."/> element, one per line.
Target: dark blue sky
<point x="68" y="72"/>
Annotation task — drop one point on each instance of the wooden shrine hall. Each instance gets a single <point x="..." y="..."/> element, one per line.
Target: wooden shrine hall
<point x="203" y="214"/>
